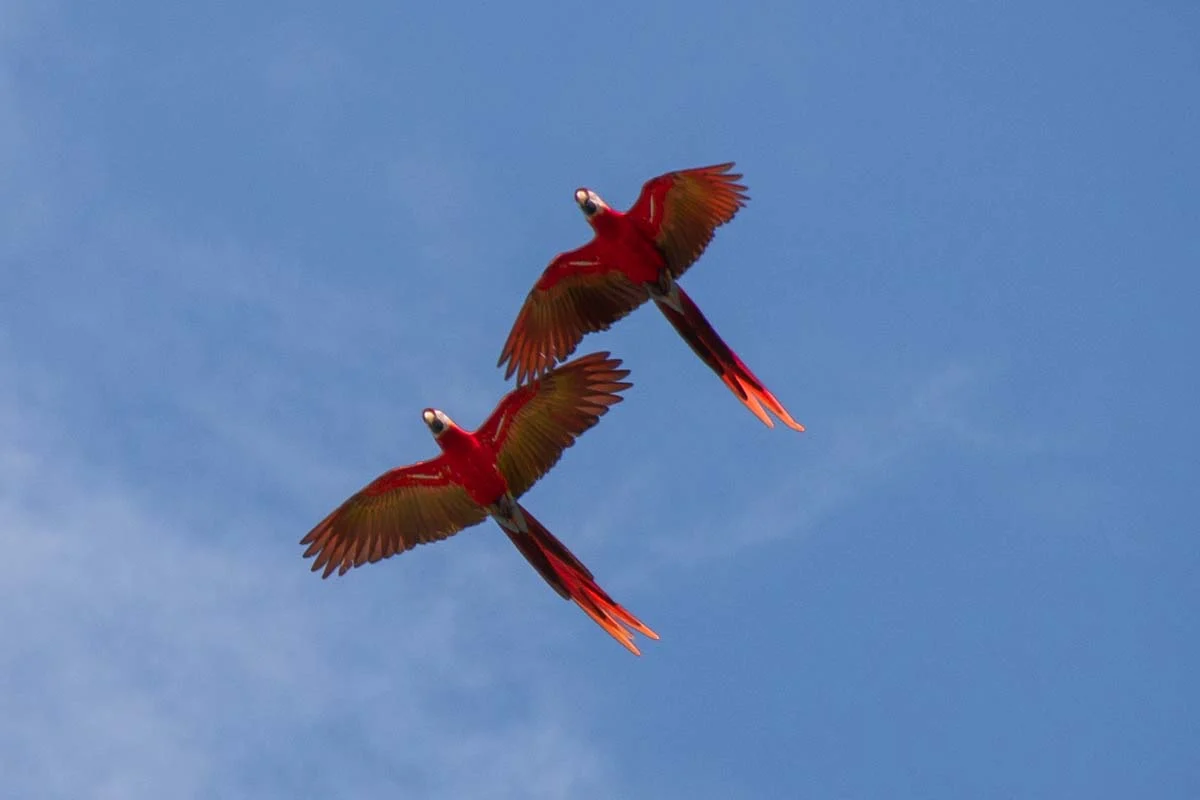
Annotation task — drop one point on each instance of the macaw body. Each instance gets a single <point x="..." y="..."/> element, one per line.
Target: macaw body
<point x="635" y="256"/>
<point x="482" y="473"/>
<point x="471" y="463"/>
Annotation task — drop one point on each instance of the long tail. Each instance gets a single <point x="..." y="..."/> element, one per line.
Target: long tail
<point x="711" y="348"/>
<point x="567" y="575"/>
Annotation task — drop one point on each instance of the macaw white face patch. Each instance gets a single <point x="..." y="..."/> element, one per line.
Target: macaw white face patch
<point x="589" y="202"/>
<point x="437" y="421"/>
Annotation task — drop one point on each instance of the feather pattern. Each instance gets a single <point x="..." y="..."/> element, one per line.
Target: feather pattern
<point x="681" y="210"/>
<point x="535" y="423"/>
<point x="575" y="296"/>
<point x="397" y="511"/>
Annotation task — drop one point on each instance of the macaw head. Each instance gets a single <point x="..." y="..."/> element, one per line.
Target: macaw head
<point x="589" y="202"/>
<point x="437" y="421"/>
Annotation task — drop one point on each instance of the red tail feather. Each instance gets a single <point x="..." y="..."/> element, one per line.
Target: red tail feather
<point x="572" y="580"/>
<point x="711" y="348"/>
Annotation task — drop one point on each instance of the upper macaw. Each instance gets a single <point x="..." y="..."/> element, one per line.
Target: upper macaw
<point x="481" y="473"/>
<point x="637" y="255"/>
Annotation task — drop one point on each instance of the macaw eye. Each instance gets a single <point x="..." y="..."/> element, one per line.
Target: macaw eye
<point x="589" y="207"/>
<point x="436" y="426"/>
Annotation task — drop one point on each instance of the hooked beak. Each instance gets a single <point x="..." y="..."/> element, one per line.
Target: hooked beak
<point x="589" y="204"/>
<point x="436" y="426"/>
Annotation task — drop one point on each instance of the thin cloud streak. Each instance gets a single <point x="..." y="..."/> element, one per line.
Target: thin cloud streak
<point x="157" y="644"/>
<point x="165" y="665"/>
<point x="862" y="452"/>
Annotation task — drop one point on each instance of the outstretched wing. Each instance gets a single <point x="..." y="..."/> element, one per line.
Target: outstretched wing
<point x="533" y="424"/>
<point x="578" y="294"/>
<point x="397" y="511"/>
<point x="680" y="210"/>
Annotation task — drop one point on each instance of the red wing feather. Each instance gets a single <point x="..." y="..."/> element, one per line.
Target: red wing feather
<point x="681" y="210"/>
<point x="577" y="294"/>
<point x="533" y="424"/>
<point x="397" y="511"/>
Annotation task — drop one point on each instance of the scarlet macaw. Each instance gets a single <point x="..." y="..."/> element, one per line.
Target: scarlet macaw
<point x="638" y="255"/>
<point x="481" y="473"/>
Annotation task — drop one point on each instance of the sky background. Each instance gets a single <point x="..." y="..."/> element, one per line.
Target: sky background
<point x="242" y="246"/>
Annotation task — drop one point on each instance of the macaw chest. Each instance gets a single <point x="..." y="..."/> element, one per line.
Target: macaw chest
<point x="630" y="250"/>
<point x="476" y="472"/>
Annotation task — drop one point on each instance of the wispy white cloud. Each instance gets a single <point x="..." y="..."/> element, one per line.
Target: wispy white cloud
<point x="163" y="637"/>
<point x="852" y="455"/>
<point x="147" y="657"/>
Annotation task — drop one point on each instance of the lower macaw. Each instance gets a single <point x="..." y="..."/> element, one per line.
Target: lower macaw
<point x="481" y="473"/>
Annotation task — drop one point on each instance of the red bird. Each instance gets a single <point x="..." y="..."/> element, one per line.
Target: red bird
<point x="481" y="473"/>
<point x="637" y="255"/>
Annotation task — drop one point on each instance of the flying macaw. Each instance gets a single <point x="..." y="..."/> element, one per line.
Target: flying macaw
<point x="637" y="255"/>
<point x="481" y="473"/>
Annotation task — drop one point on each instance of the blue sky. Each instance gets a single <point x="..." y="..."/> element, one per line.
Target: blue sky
<point x="242" y="247"/>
